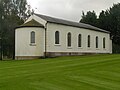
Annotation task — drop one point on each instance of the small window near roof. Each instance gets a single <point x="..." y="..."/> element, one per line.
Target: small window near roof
<point x="32" y="37"/>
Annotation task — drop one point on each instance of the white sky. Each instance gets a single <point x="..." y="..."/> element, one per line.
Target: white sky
<point x="69" y="9"/>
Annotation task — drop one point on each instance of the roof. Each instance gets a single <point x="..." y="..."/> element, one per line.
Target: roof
<point x="70" y="23"/>
<point x="31" y="23"/>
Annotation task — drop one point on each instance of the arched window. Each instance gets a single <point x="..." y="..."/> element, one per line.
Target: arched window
<point x="88" y="40"/>
<point x="79" y="40"/>
<point x="57" y="34"/>
<point x="32" y="37"/>
<point x="104" y="42"/>
<point x="69" y="39"/>
<point x="97" y="42"/>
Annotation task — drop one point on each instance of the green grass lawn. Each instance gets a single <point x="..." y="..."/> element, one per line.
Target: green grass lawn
<point x="96" y="72"/>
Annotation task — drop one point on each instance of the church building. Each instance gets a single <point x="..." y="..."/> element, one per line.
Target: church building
<point x="45" y="36"/>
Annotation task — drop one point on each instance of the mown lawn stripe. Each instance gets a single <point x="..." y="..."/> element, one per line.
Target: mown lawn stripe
<point x="95" y="72"/>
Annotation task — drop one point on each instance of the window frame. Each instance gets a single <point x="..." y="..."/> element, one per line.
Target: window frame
<point x="69" y="39"/>
<point x="88" y="41"/>
<point x="57" y="36"/>
<point x="97" y="42"/>
<point x="32" y="37"/>
<point x="79" y="40"/>
<point x="104" y="42"/>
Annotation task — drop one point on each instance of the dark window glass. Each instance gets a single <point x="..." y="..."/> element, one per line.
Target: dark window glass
<point x="79" y="40"/>
<point x="103" y="42"/>
<point x="96" y="42"/>
<point x="32" y="37"/>
<point x="57" y="37"/>
<point x="69" y="39"/>
<point x="88" y="40"/>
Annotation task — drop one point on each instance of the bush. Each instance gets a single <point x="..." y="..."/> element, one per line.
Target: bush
<point x="116" y="48"/>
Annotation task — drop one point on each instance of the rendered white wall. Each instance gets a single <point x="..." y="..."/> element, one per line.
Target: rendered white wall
<point x="51" y="47"/>
<point x="22" y="42"/>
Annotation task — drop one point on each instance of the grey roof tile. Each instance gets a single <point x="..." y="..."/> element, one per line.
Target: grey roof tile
<point x="70" y="23"/>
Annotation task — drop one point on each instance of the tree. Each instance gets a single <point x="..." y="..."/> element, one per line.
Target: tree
<point x="114" y="23"/>
<point x="89" y="18"/>
<point x="12" y="14"/>
<point x="108" y="20"/>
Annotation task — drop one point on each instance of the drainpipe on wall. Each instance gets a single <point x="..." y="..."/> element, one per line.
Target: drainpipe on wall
<point x="45" y="40"/>
<point x="14" y="47"/>
<point x="1" y="49"/>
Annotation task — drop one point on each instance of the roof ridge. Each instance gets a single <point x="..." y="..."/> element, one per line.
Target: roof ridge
<point x="55" y="17"/>
<point x="32" y="22"/>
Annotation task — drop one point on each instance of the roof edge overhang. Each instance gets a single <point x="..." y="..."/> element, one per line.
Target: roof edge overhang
<point x="85" y="26"/>
<point x="81" y="27"/>
<point x="29" y="26"/>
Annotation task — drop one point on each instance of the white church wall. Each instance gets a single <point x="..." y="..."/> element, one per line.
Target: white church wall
<point x="22" y="42"/>
<point x="62" y="47"/>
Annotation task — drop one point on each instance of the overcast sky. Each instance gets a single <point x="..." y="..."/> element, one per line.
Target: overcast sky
<point x="69" y="9"/>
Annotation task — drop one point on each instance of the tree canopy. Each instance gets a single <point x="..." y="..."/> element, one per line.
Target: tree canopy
<point x="12" y="14"/>
<point x="89" y="18"/>
<point x="108" y="20"/>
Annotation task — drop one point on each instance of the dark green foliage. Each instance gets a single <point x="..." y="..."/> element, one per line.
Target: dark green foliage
<point x="116" y="48"/>
<point x="114" y="16"/>
<point x="103" y="20"/>
<point x="108" y="20"/>
<point x="12" y="14"/>
<point x="89" y="18"/>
